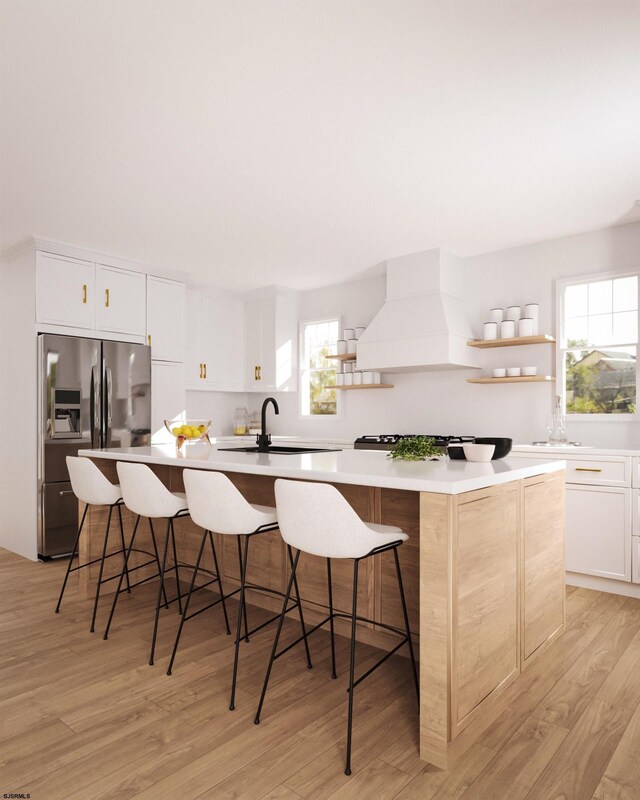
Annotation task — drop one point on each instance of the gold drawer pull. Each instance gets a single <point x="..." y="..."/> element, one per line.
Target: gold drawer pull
<point x="84" y="293"/>
<point x="587" y="469"/>
<point x="149" y="339"/>
<point x="201" y="370"/>
<point x="106" y="298"/>
<point x="205" y="372"/>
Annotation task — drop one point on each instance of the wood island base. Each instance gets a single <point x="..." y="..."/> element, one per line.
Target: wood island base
<point x="483" y="574"/>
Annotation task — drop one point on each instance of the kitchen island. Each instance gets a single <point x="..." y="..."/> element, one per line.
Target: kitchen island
<point x="483" y="567"/>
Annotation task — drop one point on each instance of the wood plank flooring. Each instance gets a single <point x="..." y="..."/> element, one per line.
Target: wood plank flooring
<point x="85" y="719"/>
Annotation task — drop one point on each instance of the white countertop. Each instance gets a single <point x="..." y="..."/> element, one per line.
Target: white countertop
<point x="569" y="450"/>
<point x="360" y="467"/>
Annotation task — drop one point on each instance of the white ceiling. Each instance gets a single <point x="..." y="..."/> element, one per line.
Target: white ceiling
<point x="302" y="142"/>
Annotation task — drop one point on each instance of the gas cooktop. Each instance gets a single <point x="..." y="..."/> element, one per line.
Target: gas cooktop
<point x="386" y="441"/>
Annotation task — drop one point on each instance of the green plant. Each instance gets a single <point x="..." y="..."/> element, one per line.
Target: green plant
<point x="415" y="448"/>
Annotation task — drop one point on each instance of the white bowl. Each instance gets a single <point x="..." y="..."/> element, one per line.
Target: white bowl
<point x="513" y="372"/>
<point x="499" y="372"/>
<point x="478" y="452"/>
<point x="530" y="371"/>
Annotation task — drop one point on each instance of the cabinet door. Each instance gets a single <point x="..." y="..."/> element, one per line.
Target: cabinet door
<point x="166" y="319"/>
<point x="543" y="560"/>
<point x="167" y="398"/>
<point x="635" y="559"/>
<point x="121" y="300"/>
<point x="194" y="357"/>
<point x="268" y="321"/>
<point x="598" y="539"/>
<point x="65" y="291"/>
<point x="223" y="330"/>
<point x="253" y="344"/>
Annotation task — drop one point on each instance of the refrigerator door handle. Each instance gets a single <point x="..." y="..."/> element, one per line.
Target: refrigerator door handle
<point x="108" y="405"/>
<point x="94" y="409"/>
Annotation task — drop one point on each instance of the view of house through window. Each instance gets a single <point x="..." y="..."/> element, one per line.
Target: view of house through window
<point x="600" y="323"/>
<point x="318" y="372"/>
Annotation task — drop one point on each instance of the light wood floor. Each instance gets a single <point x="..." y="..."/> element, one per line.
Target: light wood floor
<point x="82" y="719"/>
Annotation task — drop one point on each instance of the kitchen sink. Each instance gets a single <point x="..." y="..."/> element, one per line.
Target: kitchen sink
<point x="282" y="450"/>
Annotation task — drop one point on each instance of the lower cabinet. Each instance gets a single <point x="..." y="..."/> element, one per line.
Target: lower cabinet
<point x="635" y="559"/>
<point x="598" y="540"/>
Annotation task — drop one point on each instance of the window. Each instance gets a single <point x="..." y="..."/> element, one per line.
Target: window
<point x="598" y="345"/>
<point x="318" y="372"/>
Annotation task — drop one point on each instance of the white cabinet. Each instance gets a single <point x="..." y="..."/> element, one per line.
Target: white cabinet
<point x="97" y="297"/>
<point x="65" y="291"/>
<point x="598" y="537"/>
<point x="167" y="398"/>
<point x="635" y="559"/>
<point x="215" y="339"/>
<point x="271" y="336"/>
<point x="120" y="300"/>
<point x="166" y="310"/>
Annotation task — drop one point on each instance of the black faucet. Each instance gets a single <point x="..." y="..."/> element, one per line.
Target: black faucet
<point x="263" y="440"/>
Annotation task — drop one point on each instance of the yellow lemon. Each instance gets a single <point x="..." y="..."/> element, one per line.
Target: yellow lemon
<point x="176" y="431"/>
<point x="202" y="428"/>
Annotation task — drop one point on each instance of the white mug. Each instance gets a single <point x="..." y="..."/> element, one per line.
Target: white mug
<point x="529" y="371"/>
<point x="348" y="379"/>
<point x="377" y="378"/>
<point x="352" y="345"/>
<point x="499" y="372"/>
<point x="490" y="331"/>
<point x="359" y="332"/>
<point x="513" y="312"/>
<point x="496" y="314"/>
<point x="525" y="327"/>
<point x="533" y="310"/>
<point x="340" y="379"/>
<point x="513" y="372"/>
<point x="367" y="377"/>
<point x="349" y="333"/>
<point x="357" y="379"/>
<point x="341" y="347"/>
<point x="507" y="329"/>
<point x="347" y="366"/>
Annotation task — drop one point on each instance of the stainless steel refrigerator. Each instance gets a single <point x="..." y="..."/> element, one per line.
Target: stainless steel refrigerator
<point x="92" y="394"/>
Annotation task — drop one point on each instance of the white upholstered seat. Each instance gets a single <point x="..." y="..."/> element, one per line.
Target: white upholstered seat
<point x="89" y="484"/>
<point x="316" y="518"/>
<point x="145" y="494"/>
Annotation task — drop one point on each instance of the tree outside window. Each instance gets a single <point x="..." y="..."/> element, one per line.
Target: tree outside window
<point x="318" y="372"/>
<point x="600" y="345"/>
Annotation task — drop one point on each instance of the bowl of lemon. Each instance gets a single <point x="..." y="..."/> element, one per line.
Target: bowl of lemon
<point x="189" y="431"/>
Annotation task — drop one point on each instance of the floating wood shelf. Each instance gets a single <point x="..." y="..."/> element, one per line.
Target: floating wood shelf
<point x="542" y="338"/>
<point x="365" y="386"/>
<point x="343" y="356"/>
<point x="520" y="379"/>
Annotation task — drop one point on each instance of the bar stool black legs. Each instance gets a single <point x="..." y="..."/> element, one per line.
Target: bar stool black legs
<point x="104" y="556"/>
<point x="406" y="636"/>
<point x="216" y="579"/>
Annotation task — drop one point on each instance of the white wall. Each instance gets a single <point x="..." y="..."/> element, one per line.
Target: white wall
<point x="217" y="406"/>
<point x="442" y="402"/>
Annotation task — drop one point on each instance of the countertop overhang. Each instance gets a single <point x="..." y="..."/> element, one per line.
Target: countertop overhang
<point x="358" y="467"/>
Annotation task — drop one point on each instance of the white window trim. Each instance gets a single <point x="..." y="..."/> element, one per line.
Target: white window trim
<point x="301" y="361"/>
<point x="561" y="388"/>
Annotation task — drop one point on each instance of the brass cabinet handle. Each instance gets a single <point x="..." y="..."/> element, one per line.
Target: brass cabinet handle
<point x="259" y="373"/>
<point x="587" y="469"/>
<point x="149" y="339"/>
<point x="205" y="372"/>
<point x="106" y="298"/>
<point x="255" y="373"/>
<point x="84" y="293"/>
<point x="201" y="370"/>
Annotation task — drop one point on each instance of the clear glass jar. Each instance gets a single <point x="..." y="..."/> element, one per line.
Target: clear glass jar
<point x="240" y="421"/>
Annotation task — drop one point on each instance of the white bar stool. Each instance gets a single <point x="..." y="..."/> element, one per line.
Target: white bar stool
<point x="145" y="495"/>
<point x="315" y="518"/>
<point x="217" y="505"/>
<point x="91" y="487"/>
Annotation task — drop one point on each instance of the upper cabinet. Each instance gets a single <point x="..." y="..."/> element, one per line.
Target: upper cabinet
<point x="81" y="294"/>
<point x="215" y="339"/>
<point x="65" y="291"/>
<point x="166" y="306"/>
<point x="120" y="300"/>
<point x="271" y="338"/>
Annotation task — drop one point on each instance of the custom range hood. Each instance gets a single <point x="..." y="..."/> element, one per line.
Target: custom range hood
<point x="422" y="324"/>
